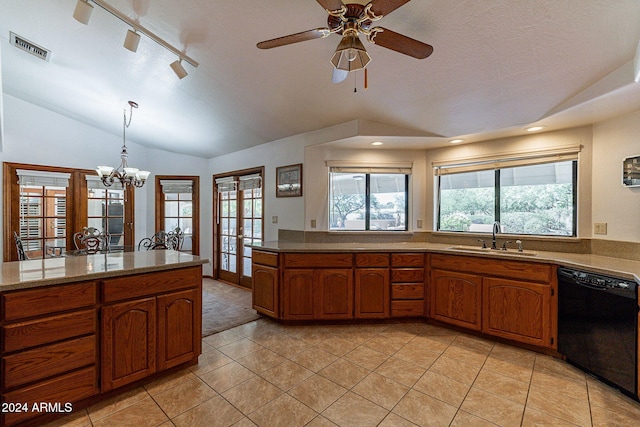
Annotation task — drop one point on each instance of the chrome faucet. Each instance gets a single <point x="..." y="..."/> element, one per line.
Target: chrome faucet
<point x="496" y="230"/>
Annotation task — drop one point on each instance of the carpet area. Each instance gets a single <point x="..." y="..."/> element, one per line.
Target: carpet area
<point x="224" y="306"/>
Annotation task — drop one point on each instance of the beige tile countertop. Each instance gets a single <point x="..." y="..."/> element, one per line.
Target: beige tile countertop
<point x="53" y="271"/>
<point x="623" y="268"/>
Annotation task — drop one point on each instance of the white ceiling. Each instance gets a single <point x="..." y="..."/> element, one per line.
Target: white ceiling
<point x="497" y="66"/>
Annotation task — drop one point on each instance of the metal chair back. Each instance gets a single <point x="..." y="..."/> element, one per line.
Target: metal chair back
<point x="91" y="240"/>
<point x="22" y="256"/>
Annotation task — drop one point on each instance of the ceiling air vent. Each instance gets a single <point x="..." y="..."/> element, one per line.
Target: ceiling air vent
<point x="32" y="48"/>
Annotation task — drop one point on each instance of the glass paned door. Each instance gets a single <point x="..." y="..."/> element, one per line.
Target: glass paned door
<point x="178" y="212"/>
<point x="228" y="235"/>
<point x="240" y="222"/>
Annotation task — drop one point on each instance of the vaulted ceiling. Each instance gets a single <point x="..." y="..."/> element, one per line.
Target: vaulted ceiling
<point x="497" y="66"/>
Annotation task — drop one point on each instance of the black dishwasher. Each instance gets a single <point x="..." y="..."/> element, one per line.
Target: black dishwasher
<point x="598" y="326"/>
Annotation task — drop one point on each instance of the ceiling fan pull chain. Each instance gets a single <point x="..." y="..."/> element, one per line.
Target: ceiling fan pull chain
<point x="366" y="78"/>
<point x="355" y="82"/>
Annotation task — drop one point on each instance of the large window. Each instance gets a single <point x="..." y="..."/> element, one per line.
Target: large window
<point x="536" y="199"/>
<point x="364" y="200"/>
<point x="46" y="205"/>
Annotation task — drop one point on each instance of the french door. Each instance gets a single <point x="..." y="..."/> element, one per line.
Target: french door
<point x="239" y="222"/>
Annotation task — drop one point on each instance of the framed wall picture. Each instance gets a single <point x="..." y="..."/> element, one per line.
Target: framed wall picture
<point x="289" y="181"/>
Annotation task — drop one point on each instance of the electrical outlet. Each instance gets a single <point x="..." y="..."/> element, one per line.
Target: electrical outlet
<point x="313" y="223"/>
<point x="419" y="223"/>
<point x="600" y="228"/>
<point x="274" y="219"/>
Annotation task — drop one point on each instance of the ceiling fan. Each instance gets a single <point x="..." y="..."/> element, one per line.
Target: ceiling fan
<point x="350" y="20"/>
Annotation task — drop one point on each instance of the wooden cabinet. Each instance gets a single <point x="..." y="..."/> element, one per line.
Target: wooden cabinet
<point x="265" y="289"/>
<point x="128" y="342"/>
<point x="517" y="310"/>
<point x="154" y="328"/>
<point x="177" y="342"/>
<point x="318" y="294"/>
<point x="48" y="338"/>
<point x="372" y="288"/>
<point x="456" y="298"/>
<point x="407" y="284"/>
<point x="512" y="299"/>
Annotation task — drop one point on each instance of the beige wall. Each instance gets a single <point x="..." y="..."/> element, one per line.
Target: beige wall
<point x="614" y="204"/>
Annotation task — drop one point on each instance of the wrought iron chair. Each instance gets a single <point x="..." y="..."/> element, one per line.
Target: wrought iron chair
<point x="175" y="239"/>
<point x="22" y="256"/>
<point x="150" y="243"/>
<point x="91" y="240"/>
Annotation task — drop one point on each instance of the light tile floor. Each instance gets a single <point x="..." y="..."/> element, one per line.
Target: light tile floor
<point x="266" y="374"/>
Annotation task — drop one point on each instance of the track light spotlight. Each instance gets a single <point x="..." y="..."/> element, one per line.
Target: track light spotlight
<point x="177" y="68"/>
<point x="131" y="40"/>
<point x="82" y="12"/>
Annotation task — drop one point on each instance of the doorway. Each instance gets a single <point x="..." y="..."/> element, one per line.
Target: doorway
<point x="239" y="222"/>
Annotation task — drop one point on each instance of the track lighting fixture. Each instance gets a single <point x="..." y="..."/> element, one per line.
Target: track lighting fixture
<point x="131" y="40"/>
<point x="177" y="68"/>
<point x="82" y="14"/>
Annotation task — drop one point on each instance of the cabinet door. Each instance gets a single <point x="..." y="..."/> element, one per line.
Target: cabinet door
<point x="265" y="290"/>
<point x="372" y="293"/>
<point x="517" y="310"/>
<point x="334" y="293"/>
<point x="128" y="342"/>
<point x="298" y="298"/>
<point x="456" y="298"/>
<point x="178" y="340"/>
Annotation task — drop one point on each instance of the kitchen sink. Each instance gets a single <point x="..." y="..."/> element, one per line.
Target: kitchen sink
<point x="490" y="251"/>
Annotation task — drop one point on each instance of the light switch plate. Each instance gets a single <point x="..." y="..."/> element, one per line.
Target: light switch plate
<point x="274" y="219"/>
<point x="313" y="223"/>
<point x="600" y="228"/>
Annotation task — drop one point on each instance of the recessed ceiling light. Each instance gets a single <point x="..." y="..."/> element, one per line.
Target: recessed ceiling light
<point x="377" y="143"/>
<point x="535" y="128"/>
<point x="456" y="141"/>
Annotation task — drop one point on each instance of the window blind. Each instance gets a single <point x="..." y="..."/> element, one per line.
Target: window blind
<point x="43" y="179"/>
<point x="250" y="182"/>
<point x="95" y="183"/>
<point x="339" y="166"/>
<point x="172" y="186"/>
<point x="508" y="160"/>
<point x="226" y="184"/>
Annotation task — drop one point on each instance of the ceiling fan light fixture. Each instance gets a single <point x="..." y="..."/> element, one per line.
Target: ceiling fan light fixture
<point x="82" y="12"/>
<point x="131" y="40"/>
<point x="350" y="55"/>
<point x="177" y="68"/>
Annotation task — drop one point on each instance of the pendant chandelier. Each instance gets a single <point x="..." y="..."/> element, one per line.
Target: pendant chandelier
<point x="123" y="173"/>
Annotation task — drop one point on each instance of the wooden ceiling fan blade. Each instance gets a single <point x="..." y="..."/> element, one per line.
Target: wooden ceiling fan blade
<point x="316" y="33"/>
<point x="331" y="4"/>
<point x="402" y="44"/>
<point x="385" y="7"/>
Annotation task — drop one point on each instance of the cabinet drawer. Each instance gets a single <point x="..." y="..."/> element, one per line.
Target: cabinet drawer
<point x="407" y="291"/>
<point x="265" y="258"/>
<point x="32" y="365"/>
<point x="407" y="275"/>
<point x="532" y="271"/>
<point x="23" y="335"/>
<point x="66" y="388"/>
<point x="372" y="260"/>
<point x="47" y="300"/>
<point x="318" y="260"/>
<point x="407" y="260"/>
<point x="408" y="308"/>
<point x="139" y="285"/>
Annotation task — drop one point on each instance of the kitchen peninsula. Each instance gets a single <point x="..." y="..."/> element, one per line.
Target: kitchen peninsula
<point x="74" y="328"/>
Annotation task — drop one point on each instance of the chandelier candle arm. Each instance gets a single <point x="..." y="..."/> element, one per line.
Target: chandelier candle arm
<point x="123" y="173"/>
